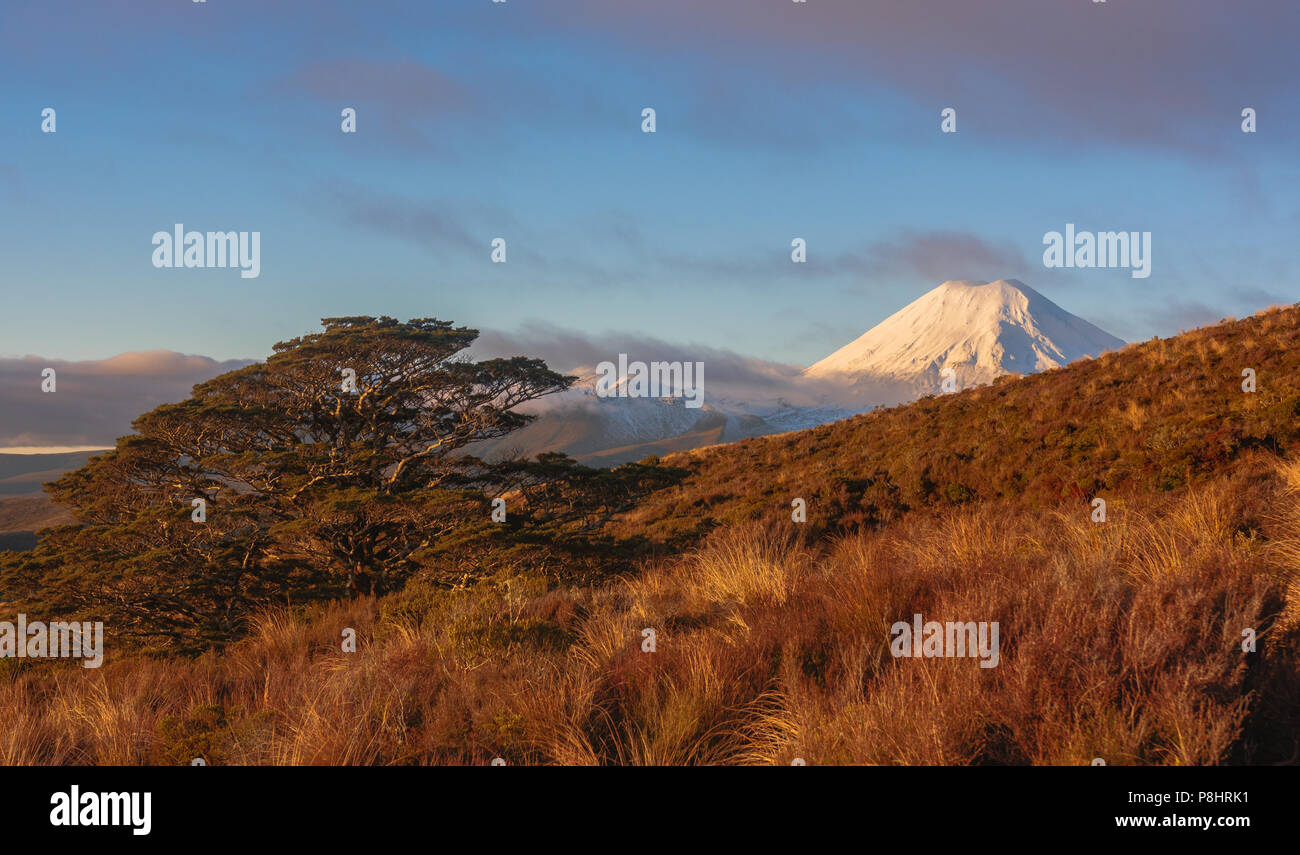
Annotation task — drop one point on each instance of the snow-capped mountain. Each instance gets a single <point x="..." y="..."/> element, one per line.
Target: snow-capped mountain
<point x="979" y="329"/>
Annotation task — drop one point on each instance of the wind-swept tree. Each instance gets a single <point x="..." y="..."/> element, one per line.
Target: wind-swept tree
<point x="324" y="469"/>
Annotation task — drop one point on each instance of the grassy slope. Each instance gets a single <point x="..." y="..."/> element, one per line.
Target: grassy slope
<point x="1120" y="640"/>
<point x="1154" y="417"/>
<point x="30" y="513"/>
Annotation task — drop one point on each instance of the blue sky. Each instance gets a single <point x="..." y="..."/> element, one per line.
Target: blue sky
<point x="522" y="120"/>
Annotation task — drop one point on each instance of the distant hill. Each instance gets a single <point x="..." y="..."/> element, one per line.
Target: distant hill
<point x="30" y="513"/>
<point x="23" y="474"/>
<point x="24" y="508"/>
<point x="611" y="431"/>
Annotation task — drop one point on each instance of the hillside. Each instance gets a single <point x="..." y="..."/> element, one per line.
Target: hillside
<point x="23" y="474"/>
<point x="1146" y="420"/>
<point x="24" y="508"/>
<point x="771" y="640"/>
<point x="30" y="513"/>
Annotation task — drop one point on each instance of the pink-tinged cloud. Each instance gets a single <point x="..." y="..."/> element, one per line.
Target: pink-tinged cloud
<point x="94" y="401"/>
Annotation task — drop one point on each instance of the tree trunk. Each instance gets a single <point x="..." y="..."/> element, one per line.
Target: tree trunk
<point x="359" y="582"/>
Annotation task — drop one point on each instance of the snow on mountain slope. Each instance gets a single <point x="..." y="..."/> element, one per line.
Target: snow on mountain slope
<point x="980" y="329"/>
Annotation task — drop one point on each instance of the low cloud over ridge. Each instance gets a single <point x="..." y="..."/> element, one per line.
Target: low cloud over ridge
<point x="95" y="400"/>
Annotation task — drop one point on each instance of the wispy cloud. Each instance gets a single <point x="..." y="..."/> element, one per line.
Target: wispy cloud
<point x="1176" y="315"/>
<point x="431" y="226"/>
<point x="406" y="85"/>
<point x="401" y="100"/>
<point x="1024" y="69"/>
<point x="936" y="256"/>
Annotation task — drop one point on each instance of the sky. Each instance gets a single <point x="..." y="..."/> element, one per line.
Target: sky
<point x="523" y="120"/>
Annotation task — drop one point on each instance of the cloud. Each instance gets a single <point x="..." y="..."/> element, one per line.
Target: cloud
<point x="566" y="349"/>
<point x="395" y="216"/>
<point x="929" y="255"/>
<point x="404" y="85"/>
<point x="1175" y="315"/>
<point x="1257" y="298"/>
<point x="729" y="376"/>
<point x="1162" y="72"/>
<point x="96" y="400"/>
<point x="937" y="256"/>
<point x="404" y="100"/>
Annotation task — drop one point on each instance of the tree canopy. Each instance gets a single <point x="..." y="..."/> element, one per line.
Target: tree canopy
<point x="338" y="465"/>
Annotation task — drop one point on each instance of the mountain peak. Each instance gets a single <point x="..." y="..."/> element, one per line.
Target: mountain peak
<point x="980" y="329"/>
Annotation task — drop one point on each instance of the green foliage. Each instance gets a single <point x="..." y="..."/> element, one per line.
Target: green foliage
<point x="336" y="467"/>
<point x="958" y="493"/>
<point x="207" y="732"/>
<point x="484" y="619"/>
<point x="199" y="734"/>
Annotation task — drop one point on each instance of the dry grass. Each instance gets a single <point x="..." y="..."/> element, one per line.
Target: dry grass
<point x="1119" y="640"/>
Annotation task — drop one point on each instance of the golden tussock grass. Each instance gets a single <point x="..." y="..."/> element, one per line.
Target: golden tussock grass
<point x="1120" y="640"/>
